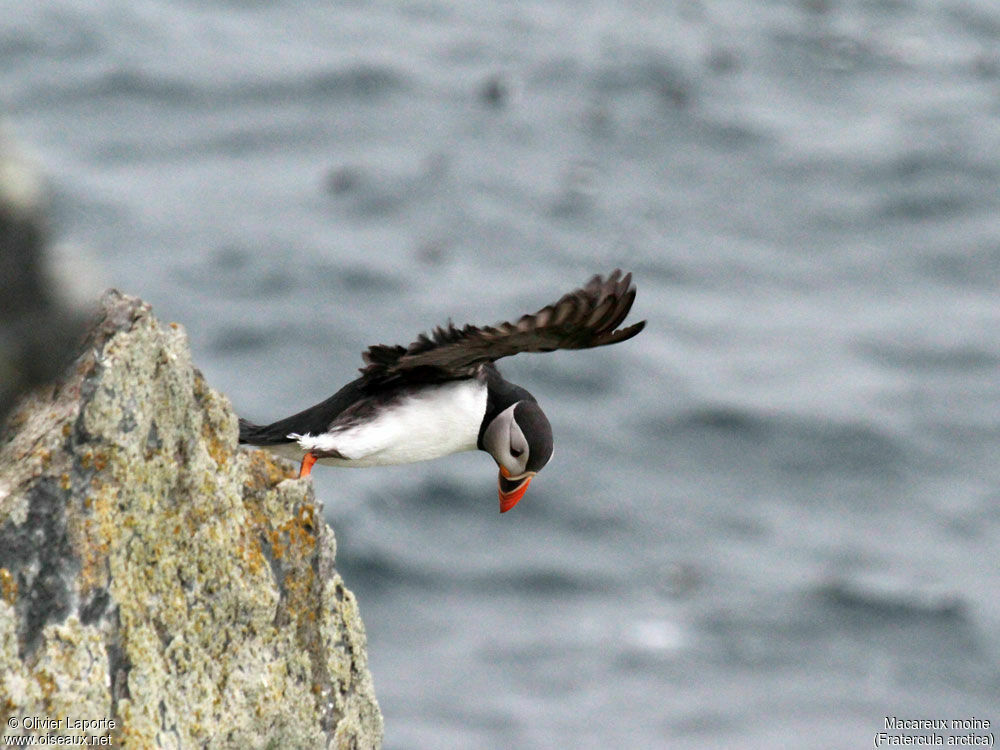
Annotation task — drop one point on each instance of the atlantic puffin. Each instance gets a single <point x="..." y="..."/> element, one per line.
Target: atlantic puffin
<point x="443" y="394"/>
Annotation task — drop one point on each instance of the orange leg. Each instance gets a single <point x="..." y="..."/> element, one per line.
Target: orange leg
<point x="307" y="464"/>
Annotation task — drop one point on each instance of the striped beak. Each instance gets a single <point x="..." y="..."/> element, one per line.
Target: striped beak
<point x="512" y="489"/>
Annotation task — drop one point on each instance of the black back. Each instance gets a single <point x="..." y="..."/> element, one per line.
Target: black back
<point x="314" y="420"/>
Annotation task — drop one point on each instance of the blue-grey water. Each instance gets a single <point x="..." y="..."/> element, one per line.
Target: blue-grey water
<point x="772" y="518"/>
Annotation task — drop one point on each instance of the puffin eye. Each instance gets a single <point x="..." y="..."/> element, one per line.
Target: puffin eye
<point x="515" y="452"/>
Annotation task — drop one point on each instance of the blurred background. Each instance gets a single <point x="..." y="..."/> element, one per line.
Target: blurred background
<point x="771" y="519"/>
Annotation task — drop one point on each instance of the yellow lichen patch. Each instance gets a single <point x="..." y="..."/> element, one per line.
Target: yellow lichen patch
<point x="256" y="524"/>
<point x="295" y="536"/>
<point x="277" y="548"/>
<point x="46" y="682"/>
<point x="266" y="471"/>
<point x="217" y="449"/>
<point x="92" y="533"/>
<point x="307" y="515"/>
<point x="197" y="516"/>
<point x="8" y="586"/>
<point x="249" y="550"/>
<point x="294" y="542"/>
<point x="94" y="556"/>
<point x="298" y="587"/>
<point x="301" y="527"/>
<point x="201" y="389"/>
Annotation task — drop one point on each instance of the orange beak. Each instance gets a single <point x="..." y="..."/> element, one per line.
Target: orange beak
<point x="511" y="490"/>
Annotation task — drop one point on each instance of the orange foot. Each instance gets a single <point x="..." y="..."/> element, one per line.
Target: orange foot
<point x="307" y="464"/>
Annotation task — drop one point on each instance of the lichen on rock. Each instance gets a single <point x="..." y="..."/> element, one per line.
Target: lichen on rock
<point x="153" y="575"/>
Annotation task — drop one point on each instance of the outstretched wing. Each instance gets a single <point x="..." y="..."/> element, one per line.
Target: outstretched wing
<point x="582" y="319"/>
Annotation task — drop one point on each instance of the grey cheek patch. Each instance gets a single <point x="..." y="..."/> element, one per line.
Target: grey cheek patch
<point x="518" y="444"/>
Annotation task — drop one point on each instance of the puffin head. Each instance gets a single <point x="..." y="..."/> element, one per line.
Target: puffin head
<point x="520" y="440"/>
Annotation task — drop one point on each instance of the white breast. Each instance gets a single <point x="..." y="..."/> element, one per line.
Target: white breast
<point x="432" y="422"/>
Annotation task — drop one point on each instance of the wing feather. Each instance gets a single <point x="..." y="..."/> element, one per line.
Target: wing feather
<point x="583" y="319"/>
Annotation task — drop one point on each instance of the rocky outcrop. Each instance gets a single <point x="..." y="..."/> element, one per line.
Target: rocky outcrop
<point x="155" y="581"/>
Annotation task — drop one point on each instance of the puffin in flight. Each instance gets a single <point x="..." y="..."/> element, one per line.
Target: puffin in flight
<point x="442" y="394"/>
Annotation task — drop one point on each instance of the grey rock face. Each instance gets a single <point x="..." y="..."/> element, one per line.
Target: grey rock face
<point x="157" y="581"/>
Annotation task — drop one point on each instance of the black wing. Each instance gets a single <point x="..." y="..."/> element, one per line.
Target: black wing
<point x="582" y="319"/>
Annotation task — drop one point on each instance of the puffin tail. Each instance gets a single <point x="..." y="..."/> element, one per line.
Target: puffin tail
<point x="248" y="430"/>
<point x="255" y="434"/>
